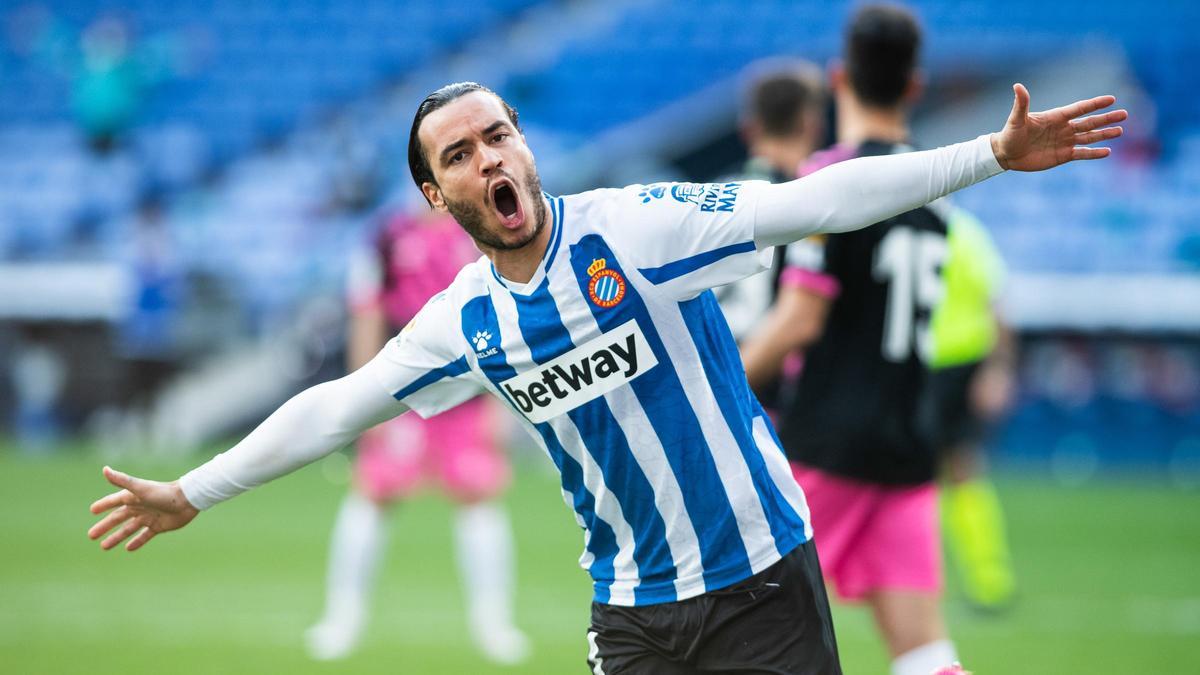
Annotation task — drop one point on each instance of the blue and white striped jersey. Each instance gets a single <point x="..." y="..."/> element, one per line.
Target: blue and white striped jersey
<point x="617" y="359"/>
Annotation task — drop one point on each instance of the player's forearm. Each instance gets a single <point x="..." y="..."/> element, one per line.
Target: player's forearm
<point x="311" y="425"/>
<point x="762" y="360"/>
<point x="795" y="322"/>
<point x="854" y="194"/>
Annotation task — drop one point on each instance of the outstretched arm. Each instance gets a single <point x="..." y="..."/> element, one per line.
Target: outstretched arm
<point x="854" y="194"/>
<point x="311" y="425"/>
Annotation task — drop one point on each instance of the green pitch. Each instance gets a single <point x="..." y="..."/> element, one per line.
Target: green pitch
<point x="1109" y="574"/>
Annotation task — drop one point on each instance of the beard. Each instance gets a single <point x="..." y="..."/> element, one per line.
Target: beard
<point x="473" y="219"/>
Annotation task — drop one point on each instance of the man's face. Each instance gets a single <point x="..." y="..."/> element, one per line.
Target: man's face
<point x="485" y="173"/>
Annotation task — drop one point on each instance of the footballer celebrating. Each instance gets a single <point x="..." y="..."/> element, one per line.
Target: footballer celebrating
<point x="590" y="317"/>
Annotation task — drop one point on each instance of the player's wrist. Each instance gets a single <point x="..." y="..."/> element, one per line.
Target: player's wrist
<point x="998" y="150"/>
<point x="180" y="498"/>
<point x="191" y="489"/>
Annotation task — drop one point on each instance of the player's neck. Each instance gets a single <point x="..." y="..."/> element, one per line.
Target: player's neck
<point x="783" y="155"/>
<point x="858" y="123"/>
<point x="520" y="264"/>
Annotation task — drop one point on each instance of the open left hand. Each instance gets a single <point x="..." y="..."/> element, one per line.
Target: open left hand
<point x="146" y="507"/>
<point x="1044" y="140"/>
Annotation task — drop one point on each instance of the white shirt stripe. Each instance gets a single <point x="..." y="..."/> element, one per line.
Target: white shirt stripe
<point x="608" y="508"/>
<point x="781" y="473"/>
<point x="647" y="448"/>
<point x="731" y="467"/>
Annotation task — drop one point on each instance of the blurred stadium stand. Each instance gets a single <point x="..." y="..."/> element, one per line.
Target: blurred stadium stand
<point x="240" y="67"/>
<point x="223" y="162"/>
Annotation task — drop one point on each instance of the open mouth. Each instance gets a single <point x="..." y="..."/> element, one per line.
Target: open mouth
<point x="504" y="196"/>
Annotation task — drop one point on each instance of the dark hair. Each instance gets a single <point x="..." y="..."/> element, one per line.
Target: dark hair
<point x="418" y="163"/>
<point x="779" y="92"/>
<point x="882" y="45"/>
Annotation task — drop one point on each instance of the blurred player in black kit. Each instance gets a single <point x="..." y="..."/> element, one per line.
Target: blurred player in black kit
<point x="859" y="305"/>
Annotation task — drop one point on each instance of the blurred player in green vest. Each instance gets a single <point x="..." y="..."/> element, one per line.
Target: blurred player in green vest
<point x="970" y="387"/>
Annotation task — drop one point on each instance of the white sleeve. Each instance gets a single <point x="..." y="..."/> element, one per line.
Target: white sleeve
<point x="420" y="369"/>
<point x="425" y="366"/>
<point x="686" y="238"/>
<point x="312" y="424"/>
<point x="856" y="193"/>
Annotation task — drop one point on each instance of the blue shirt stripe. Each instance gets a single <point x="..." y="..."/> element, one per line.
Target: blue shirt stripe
<point x="722" y="551"/>
<point x="723" y="370"/>
<point x="453" y="369"/>
<point x="543" y="331"/>
<point x="480" y="313"/>
<point x="678" y="268"/>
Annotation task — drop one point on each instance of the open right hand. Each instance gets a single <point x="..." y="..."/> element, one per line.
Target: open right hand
<point x="145" y="507"/>
<point x="1044" y="140"/>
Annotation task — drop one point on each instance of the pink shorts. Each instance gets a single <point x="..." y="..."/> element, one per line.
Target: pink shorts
<point x="456" y="448"/>
<point x="872" y="537"/>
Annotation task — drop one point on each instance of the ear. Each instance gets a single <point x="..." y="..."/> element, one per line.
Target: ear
<point x="915" y="88"/>
<point x="433" y="193"/>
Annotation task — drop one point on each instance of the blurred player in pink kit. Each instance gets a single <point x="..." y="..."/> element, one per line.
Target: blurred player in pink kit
<point x="413" y="258"/>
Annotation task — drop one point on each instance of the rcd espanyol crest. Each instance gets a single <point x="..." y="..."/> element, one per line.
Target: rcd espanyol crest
<point x="607" y="287"/>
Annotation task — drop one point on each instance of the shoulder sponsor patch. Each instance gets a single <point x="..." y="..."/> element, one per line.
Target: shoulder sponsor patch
<point x="582" y="374"/>
<point x="708" y="197"/>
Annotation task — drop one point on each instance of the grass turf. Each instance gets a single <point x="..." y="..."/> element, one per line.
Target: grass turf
<point x="1109" y="577"/>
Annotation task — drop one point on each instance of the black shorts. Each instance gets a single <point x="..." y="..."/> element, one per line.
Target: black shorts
<point x="947" y="416"/>
<point x="777" y="621"/>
